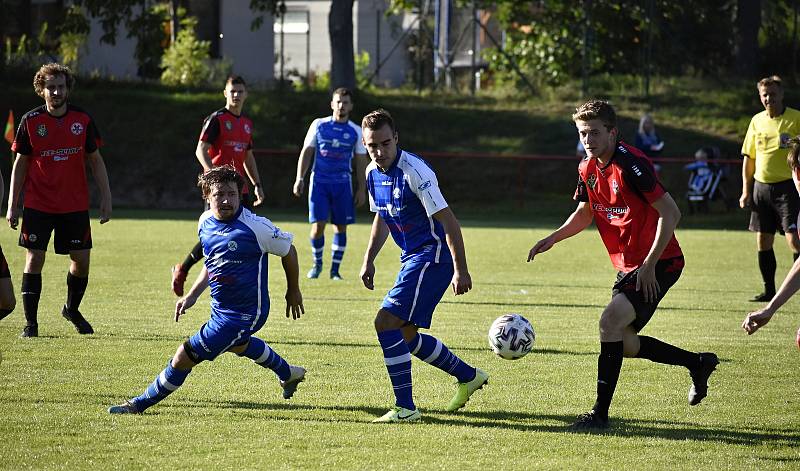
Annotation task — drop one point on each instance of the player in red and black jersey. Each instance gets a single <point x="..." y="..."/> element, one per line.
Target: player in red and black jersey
<point x="636" y="218"/>
<point x="53" y="144"/>
<point x="226" y="139"/>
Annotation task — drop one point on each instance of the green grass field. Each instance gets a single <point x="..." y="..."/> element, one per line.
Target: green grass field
<point x="54" y="390"/>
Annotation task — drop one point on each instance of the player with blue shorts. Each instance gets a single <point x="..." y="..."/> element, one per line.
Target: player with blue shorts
<point x="405" y="196"/>
<point x="332" y="142"/>
<point x="236" y="243"/>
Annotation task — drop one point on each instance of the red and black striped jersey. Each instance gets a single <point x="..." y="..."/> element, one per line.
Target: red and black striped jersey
<point x="57" y="147"/>
<point x="620" y="195"/>
<point x="230" y="137"/>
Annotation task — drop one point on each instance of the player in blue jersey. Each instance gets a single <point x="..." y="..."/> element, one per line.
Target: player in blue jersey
<point x="332" y="142"/>
<point x="235" y="243"/>
<point x="405" y="196"/>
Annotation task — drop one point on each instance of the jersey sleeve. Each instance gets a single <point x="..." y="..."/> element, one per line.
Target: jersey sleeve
<point x="581" y="194"/>
<point x="372" y="206"/>
<point x="210" y="131"/>
<point x="93" y="139"/>
<point x="270" y="238"/>
<point x="640" y="174"/>
<point x="359" y="146"/>
<point x="22" y="140"/>
<point x="422" y="181"/>
<point x="749" y="144"/>
<point x="311" y="135"/>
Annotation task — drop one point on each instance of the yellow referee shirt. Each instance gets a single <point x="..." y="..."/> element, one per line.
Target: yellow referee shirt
<point x="767" y="142"/>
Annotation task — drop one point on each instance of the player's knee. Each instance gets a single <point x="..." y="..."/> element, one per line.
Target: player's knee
<point x="186" y="352"/>
<point x="384" y="321"/>
<point x="239" y="349"/>
<point x="610" y="322"/>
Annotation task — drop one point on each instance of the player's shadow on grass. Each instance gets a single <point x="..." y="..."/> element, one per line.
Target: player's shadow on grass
<point x="667" y="430"/>
<point x="527" y="422"/>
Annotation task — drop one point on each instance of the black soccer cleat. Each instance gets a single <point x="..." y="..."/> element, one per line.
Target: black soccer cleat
<point x="31" y="330"/>
<point x="699" y="389"/>
<point x="764" y="297"/>
<point x="81" y="324"/>
<point x="590" y="421"/>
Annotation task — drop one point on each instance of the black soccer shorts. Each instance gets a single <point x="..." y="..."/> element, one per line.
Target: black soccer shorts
<point x="667" y="273"/>
<point x="72" y="231"/>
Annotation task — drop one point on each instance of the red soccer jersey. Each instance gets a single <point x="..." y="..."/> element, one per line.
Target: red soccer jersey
<point x="230" y="137"/>
<point x="57" y="147"/>
<point x="621" y="196"/>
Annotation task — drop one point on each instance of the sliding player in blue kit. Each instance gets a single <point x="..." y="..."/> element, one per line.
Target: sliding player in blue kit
<point x="236" y="243"/>
<point x="405" y="196"/>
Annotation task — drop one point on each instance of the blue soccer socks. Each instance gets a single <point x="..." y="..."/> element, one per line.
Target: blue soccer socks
<point x="398" y="363"/>
<point x="258" y="351"/>
<point x="165" y="383"/>
<point x="432" y="351"/>
<point x="337" y="251"/>
<point x="317" y="247"/>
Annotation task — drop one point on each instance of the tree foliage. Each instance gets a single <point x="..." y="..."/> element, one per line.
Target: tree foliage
<point x="186" y="60"/>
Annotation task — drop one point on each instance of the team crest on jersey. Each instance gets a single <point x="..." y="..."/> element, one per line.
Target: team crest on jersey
<point x="592" y="181"/>
<point x="33" y="238"/>
<point x="345" y="136"/>
<point x="41" y="130"/>
<point x="76" y="128"/>
<point x="232" y="245"/>
<point x="424" y="186"/>
<point x="396" y="193"/>
<point x="615" y="187"/>
<point x="247" y="128"/>
<point x="228" y="125"/>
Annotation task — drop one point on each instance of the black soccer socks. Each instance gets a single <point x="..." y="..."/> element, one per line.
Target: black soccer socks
<point x="660" y="352"/>
<point x="31" y="291"/>
<point x="76" y="286"/>
<point x="609" y="364"/>
<point x="767" y="264"/>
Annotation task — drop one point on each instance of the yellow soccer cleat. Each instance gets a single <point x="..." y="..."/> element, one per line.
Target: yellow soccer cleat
<point x="465" y="390"/>
<point x="398" y="414"/>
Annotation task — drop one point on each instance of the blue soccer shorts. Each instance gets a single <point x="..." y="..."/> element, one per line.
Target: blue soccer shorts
<point x="222" y="332"/>
<point x="331" y="200"/>
<point x="418" y="289"/>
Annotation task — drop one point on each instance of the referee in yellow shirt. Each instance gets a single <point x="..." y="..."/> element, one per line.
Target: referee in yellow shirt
<point x="767" y="186"/>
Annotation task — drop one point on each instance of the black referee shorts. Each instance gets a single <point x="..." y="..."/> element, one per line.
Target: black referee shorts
<point x="775" y="207"/>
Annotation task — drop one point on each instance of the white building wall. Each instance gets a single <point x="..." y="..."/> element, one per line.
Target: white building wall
<point x="250" y="51"/>
<point x="104" y="59"/>
<point x="365" y="38"/>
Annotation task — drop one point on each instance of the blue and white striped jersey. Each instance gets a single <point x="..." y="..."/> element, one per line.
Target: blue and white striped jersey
<point x="236" y="259"/>
<point x="335" y="145"/>
<point x="406" y="196"/>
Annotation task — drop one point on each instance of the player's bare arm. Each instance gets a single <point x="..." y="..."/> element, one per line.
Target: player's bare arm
<point x="203" y="155"/>
<point x="377" y="237"/>
<point x="303" y="163"/>
<point x="98" y="166"/>
<point x="669" y="215"/>
<point x="360" y="196"/>
<point x="18" y="174"/>
<point x="462" y="281"/>
<point x="251" y="169"/>
<point x="200" y="285"/>
<point x="294" y="298"/>
<point x="791" y="284"/>
<point x="575" y="223"/>
<point x="748" y="170"/>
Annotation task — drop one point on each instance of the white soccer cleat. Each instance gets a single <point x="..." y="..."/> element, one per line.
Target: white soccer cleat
<point x="398" y="414"/>
<point x="297" y="376"/>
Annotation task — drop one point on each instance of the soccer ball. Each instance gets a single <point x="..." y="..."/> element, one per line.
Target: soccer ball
<point x="511" y="336"/>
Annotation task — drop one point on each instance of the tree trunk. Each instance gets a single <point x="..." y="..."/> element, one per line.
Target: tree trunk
<point x="748" y="22"/>
<point x="340" y="28"/>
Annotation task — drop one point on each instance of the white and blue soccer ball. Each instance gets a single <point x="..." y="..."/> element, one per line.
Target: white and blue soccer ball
<point x="511" y="336"/>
